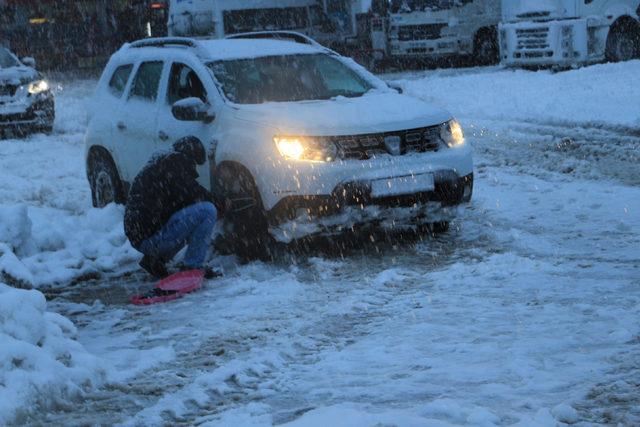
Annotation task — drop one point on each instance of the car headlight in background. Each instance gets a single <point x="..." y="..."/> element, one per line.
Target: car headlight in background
<point x="37" y="87"/>
<point x="306" y="148"/>
<point x="452" y="134"/>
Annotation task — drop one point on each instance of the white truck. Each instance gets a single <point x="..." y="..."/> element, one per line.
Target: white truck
<point x="434" y="29"/>
<point x="342" y="25"/>
<point x="568" y="33"/>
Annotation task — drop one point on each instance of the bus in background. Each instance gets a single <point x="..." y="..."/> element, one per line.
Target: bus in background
<point x="342" y="25"/>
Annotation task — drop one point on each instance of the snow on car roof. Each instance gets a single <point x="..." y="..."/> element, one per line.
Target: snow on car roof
<point x="252" y="48"/>
<point x="225" y="49"/>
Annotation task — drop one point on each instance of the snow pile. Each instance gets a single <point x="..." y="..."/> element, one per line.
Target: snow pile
<point x="591" y="95"/>
<point x="41" y="364"/>
<point x="42" y="246"/>
<point x="15" y="226"/>
<point x="49" y="233"/>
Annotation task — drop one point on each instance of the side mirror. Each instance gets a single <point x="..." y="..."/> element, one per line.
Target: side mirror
<point x="192" y="110"/>
<point x="395" y="87"/>
<point x="29" y="61"/>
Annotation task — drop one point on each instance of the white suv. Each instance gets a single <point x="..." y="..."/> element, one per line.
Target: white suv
<point x="299" y="139"/>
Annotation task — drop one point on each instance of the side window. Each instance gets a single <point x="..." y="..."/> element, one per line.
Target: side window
<point x="184" y="83"/>
<point x="147" y="81"/>
<point x="119" y="80"/>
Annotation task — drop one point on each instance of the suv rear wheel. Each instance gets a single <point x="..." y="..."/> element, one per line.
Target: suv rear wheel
<point x="106" y="186"/>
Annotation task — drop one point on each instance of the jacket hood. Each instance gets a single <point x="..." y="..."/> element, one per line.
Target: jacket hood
<point x="372" y="113"/>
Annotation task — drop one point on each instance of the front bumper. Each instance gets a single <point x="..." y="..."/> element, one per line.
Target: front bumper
<point x="429" y="48"/>
<point x="351" y="205"/>
<point x="30" y="113"/>
<point x="553" y="43"/>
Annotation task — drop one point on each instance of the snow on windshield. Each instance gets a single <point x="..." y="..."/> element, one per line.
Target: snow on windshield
<point x="7" y="60"/>
<point x="287" y="78"/>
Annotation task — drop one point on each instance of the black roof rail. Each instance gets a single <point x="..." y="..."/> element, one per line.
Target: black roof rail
<point x="164" y="41"/>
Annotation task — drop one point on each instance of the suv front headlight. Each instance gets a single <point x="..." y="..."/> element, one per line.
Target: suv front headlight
<point x="37" y="87"/>
<point x="306" y="148"/>
<point x="451" y="133"/>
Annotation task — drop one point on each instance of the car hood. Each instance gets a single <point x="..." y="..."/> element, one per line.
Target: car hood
<point x="372" y="113"/>
<point x="17" y="75"/>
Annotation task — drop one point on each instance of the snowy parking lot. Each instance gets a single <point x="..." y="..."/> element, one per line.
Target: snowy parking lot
<point x="527" y="312"/>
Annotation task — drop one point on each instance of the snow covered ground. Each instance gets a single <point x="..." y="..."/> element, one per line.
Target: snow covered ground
<point x="526" y="313"/>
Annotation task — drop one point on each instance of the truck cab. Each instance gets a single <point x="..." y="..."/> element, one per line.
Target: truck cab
<point x="568" y="33"/>
<point x="432" y="29"/>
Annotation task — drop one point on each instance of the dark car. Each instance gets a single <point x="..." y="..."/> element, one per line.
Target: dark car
<point x="26" y="100"/>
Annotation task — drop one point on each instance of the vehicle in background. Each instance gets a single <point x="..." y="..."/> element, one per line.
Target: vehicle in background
<point x="566" y="33"/>
<point x="341" y="25"/>
<point x="299" y="139"/>
<point x="26" y="101"/>
<point x="418" y="30"/>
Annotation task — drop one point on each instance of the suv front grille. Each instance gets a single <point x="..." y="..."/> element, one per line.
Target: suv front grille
<point x="364" y="147"/>
<point x="420" y="32"/>
<point x="8" y="90"/>
<point x="533" y="38"/>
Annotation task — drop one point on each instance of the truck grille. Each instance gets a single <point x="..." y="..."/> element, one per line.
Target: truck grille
<point x="420" y="32"/>
<point x="8" y="90"/>
<point x="534" y="15"/>
<point x="533" y="38"/>
<point x="364" y="147"/>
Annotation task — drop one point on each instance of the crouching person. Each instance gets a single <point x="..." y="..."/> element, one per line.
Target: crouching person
<point x="167" y="209"/>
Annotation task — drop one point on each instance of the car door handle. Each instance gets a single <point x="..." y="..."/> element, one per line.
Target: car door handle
<point x="121" y="126"/>
<point x="163" y="135"/>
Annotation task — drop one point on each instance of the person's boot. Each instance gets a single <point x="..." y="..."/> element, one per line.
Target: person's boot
<point x="154" y="266"/>
<point x="209" y="272"/>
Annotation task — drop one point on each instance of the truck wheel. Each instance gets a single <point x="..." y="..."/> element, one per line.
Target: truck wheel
<point x="106" y="186"/>
<point x="485" y="47"/>
<point x="433" y="228"/>
<point x="623" y="43"/>
<point x="248" y="228"/>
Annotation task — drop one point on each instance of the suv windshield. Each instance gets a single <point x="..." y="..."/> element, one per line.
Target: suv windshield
<point x="287" y="78"/>
<point x="7" y="59"/>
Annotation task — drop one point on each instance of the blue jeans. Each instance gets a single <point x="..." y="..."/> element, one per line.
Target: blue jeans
<point x="191" y="226"/>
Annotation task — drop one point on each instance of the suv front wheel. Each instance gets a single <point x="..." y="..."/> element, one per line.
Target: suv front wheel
<point x="106" y="186"/>
<point x="247" y="233"/>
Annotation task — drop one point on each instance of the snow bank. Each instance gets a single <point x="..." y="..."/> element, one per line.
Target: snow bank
<point x="43" y="246"/>
<point x="590" y="95"/>
<point x="41" y="364"/>
<point x="49" y="233"/>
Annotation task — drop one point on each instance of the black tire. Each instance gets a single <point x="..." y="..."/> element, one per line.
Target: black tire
<point x="247" y="232"/>
<point x="485" y="47"/>
<point x="106" y="186"/>
<point x="623" y="42"/>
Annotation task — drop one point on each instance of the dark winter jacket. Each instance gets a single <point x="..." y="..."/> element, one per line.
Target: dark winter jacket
<point x="165" y="185"/>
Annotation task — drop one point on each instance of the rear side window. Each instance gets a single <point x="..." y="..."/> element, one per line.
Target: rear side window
<point x="147" y="81"/>
<point x="119" y="80"/>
